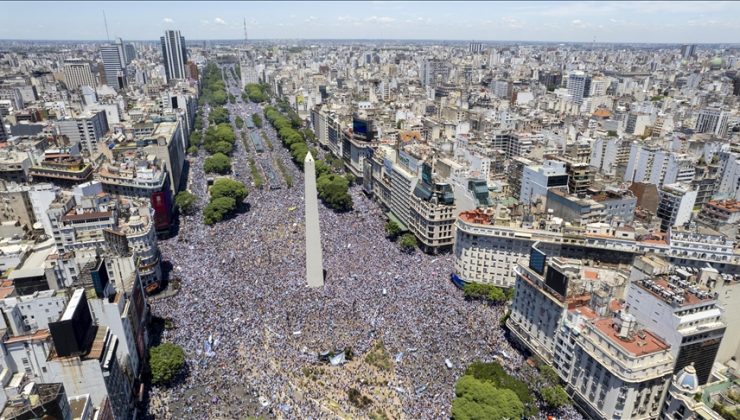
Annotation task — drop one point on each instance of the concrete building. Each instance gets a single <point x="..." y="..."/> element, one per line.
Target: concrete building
<point x="30" y="313"/>
<point x="712" y="120"/>
<point x="579" y="86"/>
<point x="77" y="73"/>
<point x="174" y="55"/>
<point x="85" y="130"/>
<point x="675" y="205"/>
<point x="685" y="316"/>
<point x="608" y="154"/>
<point x="538" y="179"/>
<point x="114" y="63"/>
<point x="434" y="72"/>
<point x="729" y="185"/>
<point x="574" y="209"/>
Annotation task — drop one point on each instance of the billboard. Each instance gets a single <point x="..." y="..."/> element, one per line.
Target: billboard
<point x="537" y="260"/>
<point x="409" y="162"/>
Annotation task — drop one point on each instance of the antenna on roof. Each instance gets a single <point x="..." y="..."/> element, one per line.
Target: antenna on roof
<point x="107" y="35"/>
<point x="245" y="32"/>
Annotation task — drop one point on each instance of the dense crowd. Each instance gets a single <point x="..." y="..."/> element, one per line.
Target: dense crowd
<point x="249" y="324"/>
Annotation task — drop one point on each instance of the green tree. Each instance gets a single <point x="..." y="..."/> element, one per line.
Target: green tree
<point x="554" y="396"/>
<point x="392" y="230"/>
<point x="229" y="188"/>
<point x="497" y="376"/>
<point x="196" y="138"/>
<point x="239" y="121"/>
<point x="165" y="360"/>
<point x="193" y="150"/>
<point x="334" y="192"/>
<point x="185" y="201"/>
<point x="218" y="115"/>
<point x="218" y="163"/>
<point x="611" y="133"/>
<point x="217" y="209"/>
<point x="257" y="120"/>
<point x="407" y="242"/>
<point x="222" y="147"/>
<point x="478" y="400"/>
<point x="549" y="375"/>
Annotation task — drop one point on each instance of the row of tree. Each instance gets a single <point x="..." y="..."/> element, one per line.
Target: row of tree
<point x="487" y="292"/>
<point x="257" y="92"/>
<point x="214" y="88"/>
<point x="407" y="241"/>
<point x="333" y="188"/>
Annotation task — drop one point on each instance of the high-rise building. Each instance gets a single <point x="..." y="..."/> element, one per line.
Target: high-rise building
<point x="85" y="130"/>
<point x="688" y="51"/>
<point x="713" y="120"/>
<point x="3" y="132"/>
<point x="476" y="47"/>
<point x="78" y="73"/>
<point x="434" y="71"/>
<point x="537" y="179"/>
<point x="130" y="51"/>
<point x="114" y="62"/>
<point x="675" y="205"/>
<point x="174" y="55"/>
<point x="579" y="86"/>
<point x="685" y="316"/>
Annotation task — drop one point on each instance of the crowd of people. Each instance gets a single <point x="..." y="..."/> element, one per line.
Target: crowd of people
<point x="250" y="326"/>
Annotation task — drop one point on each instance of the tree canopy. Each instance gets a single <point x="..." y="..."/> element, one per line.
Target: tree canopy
<point x="407" y="242"/>
<point x="392" y="230"/>
<point x="217" y="209"/>
<point x="218" y="163"/>
<point x="485" y="292"/>
<point x="214" y="88"/>
<point x="185" y="201"/>
<point x="229" y="188"/>
<point x="257" y="120"/>
<point x="165" y="360"/>
<point x="218" y="115"/>
<point x="554" y="396"/>
<point x="334" y="192"/>
<point x="478" y="400"/>
<point x="495" y="374"/>
<point x="257" y="92"/>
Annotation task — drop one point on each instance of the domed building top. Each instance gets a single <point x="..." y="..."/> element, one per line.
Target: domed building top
<point x="687" y="379"/>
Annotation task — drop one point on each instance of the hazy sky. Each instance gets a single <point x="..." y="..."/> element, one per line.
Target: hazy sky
<point x="677" y="22"/>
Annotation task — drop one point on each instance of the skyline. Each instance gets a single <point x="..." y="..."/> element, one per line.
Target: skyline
<point x="602" y="22"/>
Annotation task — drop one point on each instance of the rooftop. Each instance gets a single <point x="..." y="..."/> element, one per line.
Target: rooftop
<point x="641" y="343"/>
<point x="674" y="291"/>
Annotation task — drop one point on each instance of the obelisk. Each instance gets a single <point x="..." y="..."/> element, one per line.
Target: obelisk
<point x="314" y="261"/>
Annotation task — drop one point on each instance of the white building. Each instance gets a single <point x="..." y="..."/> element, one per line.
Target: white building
<point x="579" y="85"/>
<point x="537" y="179"/>
<point x="77" y="73"/>
<point x="675" y="205"/>
<point x="85" y="130"/>
<point x="712" y="120"/>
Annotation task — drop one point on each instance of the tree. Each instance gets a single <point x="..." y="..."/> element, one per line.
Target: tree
<point x="554" y="396"/>
<point x="611" y="133"/>
<point x="407" y="242"/>
<point x="476" y="400"/>
<point x="229" y="188"/>
<point x="334" y="192"/>
<point x="185" y="201"/>
<point x="392" y="230"/>
<point x="193" y="150"/>
<point x="218" y="115"/>
<point x="548" y="374"/>
<point x="497" y="376"/>
<point x="165" y="360"/>
<point x="217" y="209"/>
<point x="196" y="138"/>
<point x="239" y="121"/>
<point x="257" y="120"/>
<point x="222" y="147"/>
<point x="218" y="163"/>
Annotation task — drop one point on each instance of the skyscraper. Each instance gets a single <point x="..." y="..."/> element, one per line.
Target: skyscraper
<point x="174" y="55"/>
<point x="579" y="85"/>
<point x="114" y="61"/>
<point x="314" y="263"/>
<point x="688" y="51"/>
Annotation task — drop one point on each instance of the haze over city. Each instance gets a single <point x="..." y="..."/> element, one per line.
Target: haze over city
<point x="642" y="22"/>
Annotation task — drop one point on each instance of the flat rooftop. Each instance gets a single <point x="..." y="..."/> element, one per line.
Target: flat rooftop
<point x="641" y="343"/>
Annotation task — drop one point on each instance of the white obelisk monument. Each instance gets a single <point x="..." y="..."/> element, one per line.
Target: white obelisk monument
<point x="314" y="260"/>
